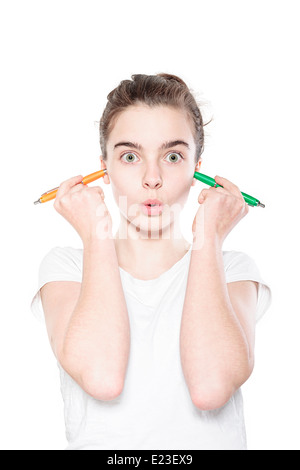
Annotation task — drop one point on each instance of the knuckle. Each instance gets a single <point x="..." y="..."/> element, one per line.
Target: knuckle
<point x="204" y="192"/>
<point x="242" y="204"/>
<point x="62" y="201"/>
<point x="63" y="185"/>
<point x="99" y="190"/>
<point x="239" y="203"/>
<point x="76" y="196"/>
<point x="241" y="207"/>
<point x="220" y="196"/>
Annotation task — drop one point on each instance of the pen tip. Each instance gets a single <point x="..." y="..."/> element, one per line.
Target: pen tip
<point x="261" y="204"/>
<point x="37" y="202"/>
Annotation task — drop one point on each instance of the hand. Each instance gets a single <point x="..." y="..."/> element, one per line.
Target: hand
<point x="220" y="210"/>
<point x="84" y="209"/>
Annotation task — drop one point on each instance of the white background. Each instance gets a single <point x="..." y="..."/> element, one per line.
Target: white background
<point x="59" y="60"/>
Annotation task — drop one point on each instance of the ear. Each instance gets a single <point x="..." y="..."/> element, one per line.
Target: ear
<point x="103" y="167"/>
<point x="197" y="168"/>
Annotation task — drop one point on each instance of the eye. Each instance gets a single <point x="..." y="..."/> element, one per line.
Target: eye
<point x="128" y="157"/>
<point x="174" y="157"/>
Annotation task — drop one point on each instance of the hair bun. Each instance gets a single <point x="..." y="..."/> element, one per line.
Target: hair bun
<point x="168" y="76"/>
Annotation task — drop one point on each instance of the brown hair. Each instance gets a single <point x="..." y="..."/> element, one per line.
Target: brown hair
<point x="152" y="90"/>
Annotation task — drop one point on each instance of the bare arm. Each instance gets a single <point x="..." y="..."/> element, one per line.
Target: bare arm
<point x="218" y="320"/>
<point x="88" y="323"/>
<point x="217" y="331"/>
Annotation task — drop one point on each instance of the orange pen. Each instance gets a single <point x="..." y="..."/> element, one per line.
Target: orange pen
<point x="51" y="194"/>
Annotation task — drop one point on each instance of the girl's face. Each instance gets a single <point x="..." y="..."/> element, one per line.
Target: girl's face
<point x="150" y="163"/>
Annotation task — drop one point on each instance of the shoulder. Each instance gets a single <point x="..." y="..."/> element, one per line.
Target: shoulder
<point x="239" y="266"/>
<point x="61" y="255"/>
<point x="61" y="263"/>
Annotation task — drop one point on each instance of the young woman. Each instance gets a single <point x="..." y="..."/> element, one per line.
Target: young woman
<point x="154" y="336"/>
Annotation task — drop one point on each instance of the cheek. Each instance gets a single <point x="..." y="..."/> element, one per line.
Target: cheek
<point x="124" y="194"/>
<point x="179" y="191"/>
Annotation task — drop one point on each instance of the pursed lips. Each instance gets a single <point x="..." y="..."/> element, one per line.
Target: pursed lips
<point x="152" y="207"/>
<point x="152" y="202"/>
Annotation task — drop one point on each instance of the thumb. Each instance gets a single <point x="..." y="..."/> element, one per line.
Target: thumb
<point x="202" y="196"/>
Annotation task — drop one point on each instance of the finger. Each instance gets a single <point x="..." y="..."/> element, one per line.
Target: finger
<point x="78" y="187"/>
<point x="84" y="187"/>
<point x="231" y="187"/>
<point x="222" y="190"/>
<point x="66" y="185"/>
<point x="203" y="195"/>
<point x="98" y="190"/>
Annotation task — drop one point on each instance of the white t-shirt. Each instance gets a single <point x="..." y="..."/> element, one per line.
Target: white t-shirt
<point x="154" y="410"/>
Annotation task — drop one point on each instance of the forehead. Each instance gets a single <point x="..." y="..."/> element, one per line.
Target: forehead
<point x="147" y="122"/>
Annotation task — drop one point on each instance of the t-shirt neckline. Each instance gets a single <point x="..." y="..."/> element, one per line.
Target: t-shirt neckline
<point x="168" y="272"/>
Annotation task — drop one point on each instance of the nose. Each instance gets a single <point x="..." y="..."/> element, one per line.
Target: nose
<point x="152" y="179"/>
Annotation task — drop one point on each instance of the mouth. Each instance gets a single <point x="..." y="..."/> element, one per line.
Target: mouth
<point x="152" y="207"/>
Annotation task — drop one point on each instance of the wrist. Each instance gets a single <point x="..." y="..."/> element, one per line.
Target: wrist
<point x="99" y="233"/>
<point x="93" y="242"/>
<point x="207" y="242"/>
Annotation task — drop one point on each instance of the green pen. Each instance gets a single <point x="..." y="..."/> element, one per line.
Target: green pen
<point x="250" y="200"/>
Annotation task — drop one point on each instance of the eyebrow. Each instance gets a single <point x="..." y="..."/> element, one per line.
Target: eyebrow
<point x="164" y="146"/>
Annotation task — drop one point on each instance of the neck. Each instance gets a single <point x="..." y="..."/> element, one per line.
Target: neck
<point x="147" y="255"/>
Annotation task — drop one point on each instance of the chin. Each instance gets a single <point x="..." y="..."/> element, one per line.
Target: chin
<point x="154" y="227"/>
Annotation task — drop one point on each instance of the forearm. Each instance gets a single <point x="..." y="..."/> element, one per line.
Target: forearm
<point x="97" y="338"/>
<point x="214" y="348"/>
